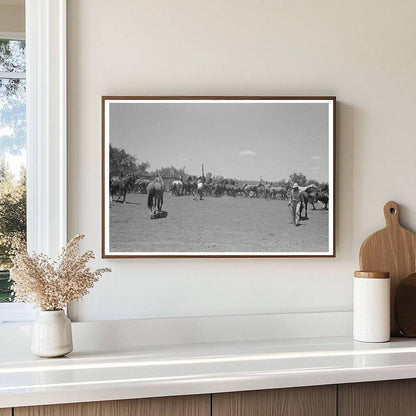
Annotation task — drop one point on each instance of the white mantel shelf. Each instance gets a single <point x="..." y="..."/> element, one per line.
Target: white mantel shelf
<point x="200" y="368"/>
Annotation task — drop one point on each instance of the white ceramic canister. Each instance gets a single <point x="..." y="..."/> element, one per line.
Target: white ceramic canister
<point x="52" y="334"/>
<point x="371" y="307"/>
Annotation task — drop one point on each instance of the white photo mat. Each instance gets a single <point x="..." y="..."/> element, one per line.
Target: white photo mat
<point x="128" y="131"/>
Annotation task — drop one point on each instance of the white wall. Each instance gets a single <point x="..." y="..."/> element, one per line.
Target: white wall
<point x="361" y="51"/>
<point x="12" y="17"/>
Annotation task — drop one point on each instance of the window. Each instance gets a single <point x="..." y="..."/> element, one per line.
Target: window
<point x="12" y="163"/>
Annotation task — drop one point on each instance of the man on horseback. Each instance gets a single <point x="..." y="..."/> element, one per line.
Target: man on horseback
<point x="295" y="203"/>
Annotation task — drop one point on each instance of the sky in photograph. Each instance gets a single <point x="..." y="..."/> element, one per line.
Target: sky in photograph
<point x="246" y="141"/>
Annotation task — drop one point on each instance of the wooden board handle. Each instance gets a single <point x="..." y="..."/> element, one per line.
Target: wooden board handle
<point x="391" y="214"/>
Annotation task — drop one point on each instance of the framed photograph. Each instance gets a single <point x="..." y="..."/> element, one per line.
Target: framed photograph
<point x="218" y="176"/>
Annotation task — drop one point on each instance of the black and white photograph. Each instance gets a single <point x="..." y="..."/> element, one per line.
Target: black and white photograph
<point x="218" y="176"/>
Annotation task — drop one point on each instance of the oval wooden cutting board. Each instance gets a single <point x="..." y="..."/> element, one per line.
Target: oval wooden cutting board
<point x="392" y="250"/>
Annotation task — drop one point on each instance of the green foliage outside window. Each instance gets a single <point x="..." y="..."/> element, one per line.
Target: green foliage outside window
<point x="12" y="146"/>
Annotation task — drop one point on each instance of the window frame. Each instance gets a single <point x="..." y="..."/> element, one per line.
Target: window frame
<point x="12" y="35"/>
<point x="46" y="135"/>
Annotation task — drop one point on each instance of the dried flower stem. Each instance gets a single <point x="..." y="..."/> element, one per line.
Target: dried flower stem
<point x="53" y="285"/>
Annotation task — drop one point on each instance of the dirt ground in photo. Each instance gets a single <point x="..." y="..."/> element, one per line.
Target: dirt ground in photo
<point x="223" y="224"/>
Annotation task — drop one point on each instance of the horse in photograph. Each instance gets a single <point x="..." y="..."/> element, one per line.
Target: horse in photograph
<point x="266" y="193"/>
<point x="155" y="191"/>
<point x="208" y="188"/>
<point x="321" y="197"/>
<point x="114" y="187"/>
<point x="239" y="190"/>
<point x="120" y="186"/>
<point x="270" y="191"/>
<point x="283" y="191"/>
<point x="218" y="189"/>
<point x="231" y="190"/>
<point x="189" y="186"/>
<point x="177" y="188"/>
<point x="250" y="191"/>
<point x="261" y="190"/>
<point x="306" y="196"/>
<point x="141" y="185"/>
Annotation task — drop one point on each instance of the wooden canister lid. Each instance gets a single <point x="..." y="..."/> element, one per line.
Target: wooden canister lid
<point x="372" y="275"/>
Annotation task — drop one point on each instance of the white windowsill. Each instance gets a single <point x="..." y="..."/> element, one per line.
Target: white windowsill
<point x="16" y="313"/>
<point x="94" y="336"/>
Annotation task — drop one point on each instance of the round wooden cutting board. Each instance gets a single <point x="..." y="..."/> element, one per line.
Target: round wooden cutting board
<point x="392" y="250"/>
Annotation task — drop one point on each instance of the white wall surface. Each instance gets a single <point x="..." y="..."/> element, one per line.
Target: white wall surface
<point x="361" y="51"/>
<point x="12" y="17"/>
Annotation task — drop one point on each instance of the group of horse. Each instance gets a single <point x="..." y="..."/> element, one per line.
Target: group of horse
<point x="120" y="186"/>
<point x="180" y="187"/>
<point x="266" y="190"/>
<point x="230" y="188"/>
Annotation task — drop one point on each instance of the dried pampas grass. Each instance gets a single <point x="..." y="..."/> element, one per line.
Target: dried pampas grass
<point x="53" y="285"/>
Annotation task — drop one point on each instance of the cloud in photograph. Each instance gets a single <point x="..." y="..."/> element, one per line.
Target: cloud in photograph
<point x="315" y="168"/>
<point x="183" y="159"/>
<point x="247" y="153"/>
<point x="316" y="157"/>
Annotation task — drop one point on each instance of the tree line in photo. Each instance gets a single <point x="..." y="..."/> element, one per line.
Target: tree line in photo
<point x="127" y="174"/>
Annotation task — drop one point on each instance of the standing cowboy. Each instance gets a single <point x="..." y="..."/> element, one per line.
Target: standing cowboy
<point x="295" y="203"/>
<point x="199" y="189"/>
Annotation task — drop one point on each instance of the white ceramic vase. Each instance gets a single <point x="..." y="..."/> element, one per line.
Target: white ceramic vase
<point x="52" y="334"/>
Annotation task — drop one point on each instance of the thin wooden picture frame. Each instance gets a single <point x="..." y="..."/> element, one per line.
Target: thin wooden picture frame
<point x="107" y="252"/>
